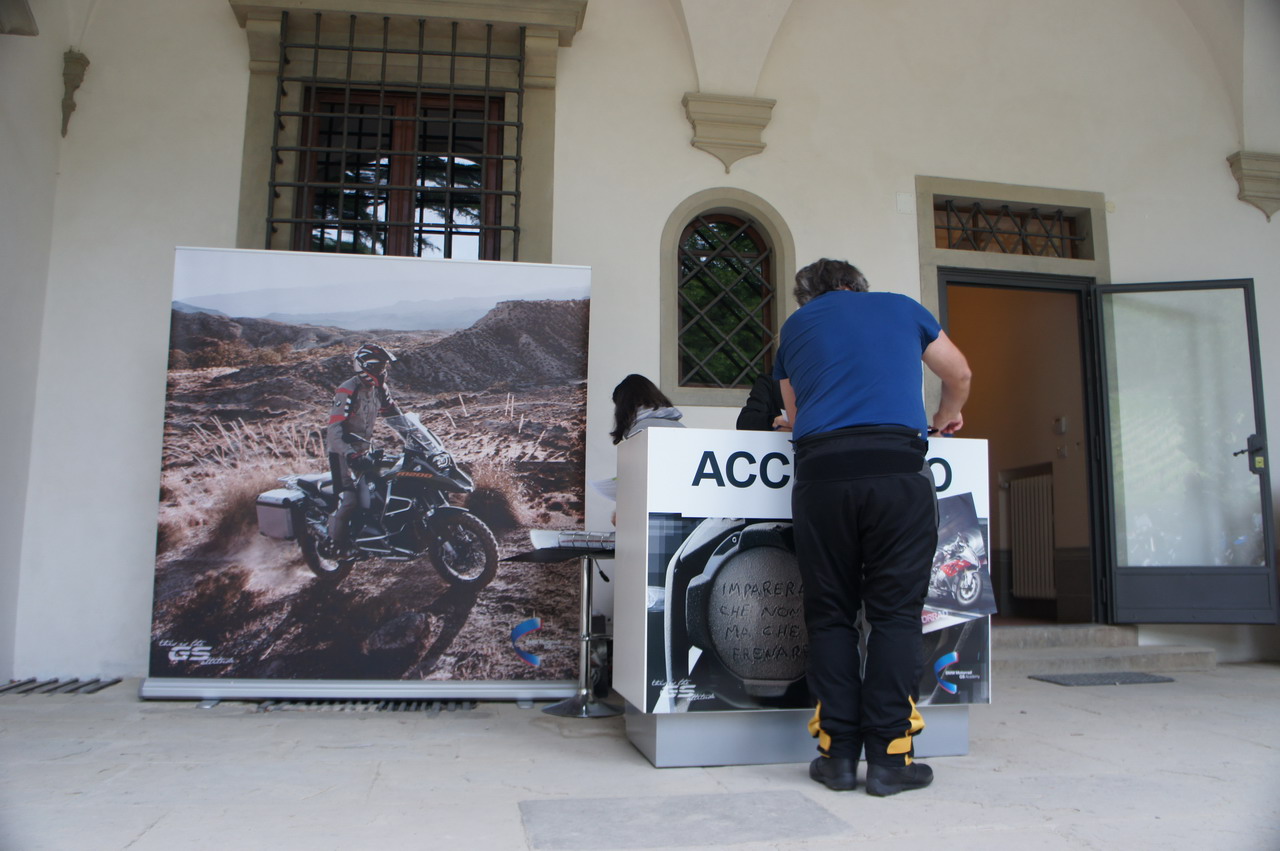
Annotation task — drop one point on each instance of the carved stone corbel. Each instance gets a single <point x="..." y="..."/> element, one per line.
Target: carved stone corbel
<point x="726" y="126"/>
<point x="73" y="64"/>
<point x="1259" y="177"/>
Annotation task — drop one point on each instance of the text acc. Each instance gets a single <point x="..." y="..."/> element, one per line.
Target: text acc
<point x="740" y="470"/>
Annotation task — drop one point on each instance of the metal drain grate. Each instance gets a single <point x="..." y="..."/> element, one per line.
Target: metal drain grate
<point x="1111" y="678"/>
<point x="431" y="707"/>
<point x="34" y="685"/>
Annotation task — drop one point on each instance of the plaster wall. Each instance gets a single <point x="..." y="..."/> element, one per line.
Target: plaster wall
<point x="152" y="160"/>
<point x="1262" y="78"/>
<point x="30" y="118"/>
<point x="1123" y="99"/>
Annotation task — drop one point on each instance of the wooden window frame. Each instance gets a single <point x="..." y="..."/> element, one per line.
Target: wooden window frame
<point x="409" y="114"/>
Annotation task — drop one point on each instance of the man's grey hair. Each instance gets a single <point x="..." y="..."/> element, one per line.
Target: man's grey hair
<point x="827" y="275"/>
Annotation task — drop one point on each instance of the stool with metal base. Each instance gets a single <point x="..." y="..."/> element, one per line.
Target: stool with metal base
<point x="584" y="703"/>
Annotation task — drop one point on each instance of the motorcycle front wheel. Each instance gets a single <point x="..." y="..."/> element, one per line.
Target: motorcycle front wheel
<point x="329" y="570"/>
<point x="463" y="550"/>
<point x="968" y="587"/>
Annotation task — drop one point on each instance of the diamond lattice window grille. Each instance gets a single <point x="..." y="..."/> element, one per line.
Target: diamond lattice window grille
<point x="1003" y="229"/>
<point x="725" y="302"/>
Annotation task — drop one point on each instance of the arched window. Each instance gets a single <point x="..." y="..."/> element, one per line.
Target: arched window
<point x="726" y="257"/>
<point x="726" y="302"/>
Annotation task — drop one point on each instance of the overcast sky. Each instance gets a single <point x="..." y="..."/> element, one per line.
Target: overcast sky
<point x="341" y="282"/>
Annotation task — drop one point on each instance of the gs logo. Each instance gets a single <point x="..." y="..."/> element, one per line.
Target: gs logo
<point x="197" y="651"/>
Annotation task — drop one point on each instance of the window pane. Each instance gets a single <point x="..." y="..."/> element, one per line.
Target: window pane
<point x="725" y="303"/>
<point x="414" y="166"/>
<point x="1181" y="402"/>
<point x="998" y="228"/>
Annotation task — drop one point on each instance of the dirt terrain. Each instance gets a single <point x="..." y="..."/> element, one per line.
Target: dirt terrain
<point x="230" y="602"/>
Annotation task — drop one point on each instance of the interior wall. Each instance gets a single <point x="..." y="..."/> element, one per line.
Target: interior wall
<point x="1024" y="348"/>
<point x="30" y="119"/>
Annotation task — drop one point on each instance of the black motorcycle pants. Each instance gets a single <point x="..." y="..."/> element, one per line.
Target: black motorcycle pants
<point x="865" y="516"/>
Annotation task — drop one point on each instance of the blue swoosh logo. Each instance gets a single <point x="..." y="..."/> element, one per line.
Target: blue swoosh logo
<point x="519" y="632"/>
<point x="940" y="666"/>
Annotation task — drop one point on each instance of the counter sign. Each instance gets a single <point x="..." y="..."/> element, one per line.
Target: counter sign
<point x="739" y="470"/>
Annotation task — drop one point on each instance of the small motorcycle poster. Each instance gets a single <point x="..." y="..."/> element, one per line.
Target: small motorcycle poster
<point x="352" y="446"/>
<point x="960" y="579"/>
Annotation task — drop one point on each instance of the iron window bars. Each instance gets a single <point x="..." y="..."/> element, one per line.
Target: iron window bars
<point x="725" y="302"/>
<point x="397" y="139"/>
<point x="1004" y="230"/>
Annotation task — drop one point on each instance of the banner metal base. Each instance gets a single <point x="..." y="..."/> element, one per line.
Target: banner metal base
<point x="245" y="689"/>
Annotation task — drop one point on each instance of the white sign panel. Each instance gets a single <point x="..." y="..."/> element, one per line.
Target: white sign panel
<point x="714" y="473"/>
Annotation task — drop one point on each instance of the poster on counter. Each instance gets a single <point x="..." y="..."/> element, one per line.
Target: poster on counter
<point x="725" y="621"/>
<point x="483" y="441"/>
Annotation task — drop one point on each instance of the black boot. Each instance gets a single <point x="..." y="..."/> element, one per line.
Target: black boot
<point x="885" y="780"/>
<point x="837" y="773"/>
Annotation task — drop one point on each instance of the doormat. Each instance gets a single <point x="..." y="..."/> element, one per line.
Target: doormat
<point x="1111" y="678"/>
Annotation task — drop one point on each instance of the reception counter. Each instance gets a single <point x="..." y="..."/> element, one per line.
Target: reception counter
<point x="709" y="641"/>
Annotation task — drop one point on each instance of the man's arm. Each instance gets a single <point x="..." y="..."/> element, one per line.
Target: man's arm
<point x="948" y="363"/>
<point x="388" y="408"/>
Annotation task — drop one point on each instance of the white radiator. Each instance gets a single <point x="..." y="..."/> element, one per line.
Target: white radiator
<point x="1031" y="525"/>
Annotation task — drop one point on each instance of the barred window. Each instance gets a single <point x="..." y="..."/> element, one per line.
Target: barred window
<point x="726" y="303"/>
<point x="998" y="228"/>
<point x="397" y="136"/>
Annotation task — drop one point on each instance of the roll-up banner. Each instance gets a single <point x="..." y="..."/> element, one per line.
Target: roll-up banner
<point x="352" y="446"/>
<point x="725" y="623"/>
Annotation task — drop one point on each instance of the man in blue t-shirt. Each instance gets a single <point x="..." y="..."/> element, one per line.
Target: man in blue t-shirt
<point x="864" y="510"/>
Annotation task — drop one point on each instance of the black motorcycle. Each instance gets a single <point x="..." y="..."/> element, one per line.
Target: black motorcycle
<point x="404" y="513"/>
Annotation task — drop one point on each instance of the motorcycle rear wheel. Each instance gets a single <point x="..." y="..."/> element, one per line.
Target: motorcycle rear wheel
<point x="968" y="587"/>
<point x="463" y="550"/>
<point x="328" y="570"/>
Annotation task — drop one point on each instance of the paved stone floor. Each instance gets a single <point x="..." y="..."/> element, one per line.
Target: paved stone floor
<point x="1190" y="764"/>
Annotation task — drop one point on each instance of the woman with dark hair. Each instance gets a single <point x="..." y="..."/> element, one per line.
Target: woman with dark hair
<point x="637" y="405"/>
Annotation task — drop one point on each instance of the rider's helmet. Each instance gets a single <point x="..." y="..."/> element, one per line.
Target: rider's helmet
<point x="372" y="358"/>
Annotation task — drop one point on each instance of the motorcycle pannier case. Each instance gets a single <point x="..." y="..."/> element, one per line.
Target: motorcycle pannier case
<point x="275" y="513"/>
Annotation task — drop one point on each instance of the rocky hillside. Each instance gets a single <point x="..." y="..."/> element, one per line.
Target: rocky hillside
<point x="191" y="332"/>
<point x="517" y="345"/>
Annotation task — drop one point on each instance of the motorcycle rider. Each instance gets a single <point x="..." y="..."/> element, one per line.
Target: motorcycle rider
<point x="357" y="404"/>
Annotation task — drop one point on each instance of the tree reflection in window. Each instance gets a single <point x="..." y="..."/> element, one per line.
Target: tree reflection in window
<point x="725" y="302"/>
<point x="402" y="175"/>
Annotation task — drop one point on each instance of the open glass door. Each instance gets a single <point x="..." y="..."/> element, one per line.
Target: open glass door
<point x="1190" y="498"/>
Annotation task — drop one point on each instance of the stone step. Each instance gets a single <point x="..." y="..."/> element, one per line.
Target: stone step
<point x="1066" y="635"/>
<point x="1091" y="660"/>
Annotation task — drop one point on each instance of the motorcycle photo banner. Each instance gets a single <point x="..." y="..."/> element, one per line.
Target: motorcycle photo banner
<point x="352" y="446"/>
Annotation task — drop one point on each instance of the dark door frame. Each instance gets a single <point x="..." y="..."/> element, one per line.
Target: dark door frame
<point x="1199" y="599"/>
<point x="1091" y="380"/>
